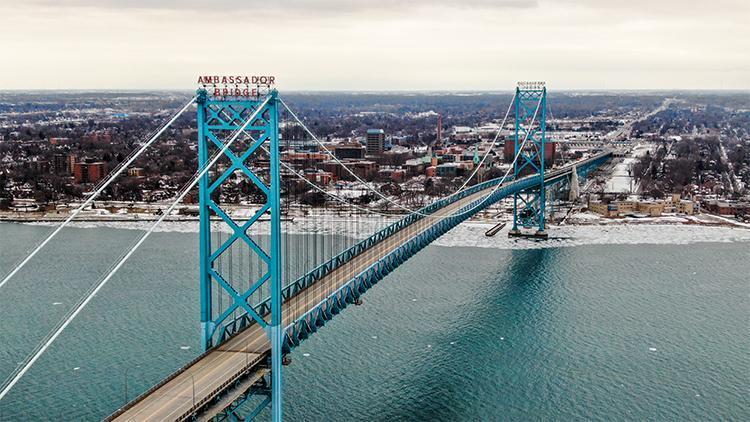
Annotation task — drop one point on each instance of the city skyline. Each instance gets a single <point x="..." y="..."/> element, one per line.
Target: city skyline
<point x="375" y="46"/>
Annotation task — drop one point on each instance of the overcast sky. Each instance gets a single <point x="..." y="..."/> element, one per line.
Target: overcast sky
<point x="377" y="44"/>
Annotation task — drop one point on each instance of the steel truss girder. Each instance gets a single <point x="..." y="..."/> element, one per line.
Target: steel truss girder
<point x="260" y="389"/>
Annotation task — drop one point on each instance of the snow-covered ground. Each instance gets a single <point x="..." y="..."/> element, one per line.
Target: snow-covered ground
<point x="621" y="179"/>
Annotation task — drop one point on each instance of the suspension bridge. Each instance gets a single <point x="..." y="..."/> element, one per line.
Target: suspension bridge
<point x="266" y="284"/>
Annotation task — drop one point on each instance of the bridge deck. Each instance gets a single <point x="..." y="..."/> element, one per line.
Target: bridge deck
<point x="178" y="397"/>
<point x="245" y="352"/>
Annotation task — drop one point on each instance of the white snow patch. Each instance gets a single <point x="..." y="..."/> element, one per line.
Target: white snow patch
<point x="472" y="234"/>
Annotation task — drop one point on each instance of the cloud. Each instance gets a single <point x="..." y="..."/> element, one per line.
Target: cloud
<point x="386" y="44"/>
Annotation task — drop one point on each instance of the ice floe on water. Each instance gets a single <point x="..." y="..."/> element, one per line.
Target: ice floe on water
<point x="472" y="234"/>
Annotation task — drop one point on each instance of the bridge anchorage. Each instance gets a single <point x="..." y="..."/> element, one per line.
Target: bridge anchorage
<point x="255" y="311"/>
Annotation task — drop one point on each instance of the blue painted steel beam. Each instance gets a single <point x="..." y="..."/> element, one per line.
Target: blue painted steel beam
<point x="530" y="125"/>
<point x="217" y="116"/>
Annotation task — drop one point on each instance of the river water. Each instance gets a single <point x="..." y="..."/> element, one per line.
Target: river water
<point x="585" y="332"/>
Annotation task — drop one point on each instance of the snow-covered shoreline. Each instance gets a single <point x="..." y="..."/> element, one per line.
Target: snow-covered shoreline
<point x="472" y="233"/>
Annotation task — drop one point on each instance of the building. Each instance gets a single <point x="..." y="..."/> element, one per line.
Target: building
<point x="135" y="172"/>
<point x="304" y="160"/>
<point x="58" y="140"/>
<point x="60" y="164"/>
<point x="417" y="166"/>
<point x="633" y="208"/>
<point x="393" y="174"/>
<point x="375" y="141"/>
<point x="350" y="150"/>
<point x="550" y="149"/>
<point x="89" y="172"/>
<point x="627" y="208"/>
<point x="677" y="205"/>
<point x="367" y="170"/>
<point x="727" y="207"/>
<point x="63" y="164"/>
<point x="463" y="133"/>
<point x="319" y="177"/>
<point x="72" y="159"/>
<point x="39" y="166"/>
<point x="449" y="170"/>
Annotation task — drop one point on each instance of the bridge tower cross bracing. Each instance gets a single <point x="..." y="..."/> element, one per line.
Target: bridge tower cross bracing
<point x="530" y="105"/>
<point x="228" y="301"/>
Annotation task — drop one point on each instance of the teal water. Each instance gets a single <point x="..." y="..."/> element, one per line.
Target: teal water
<point x="454" y="334"/>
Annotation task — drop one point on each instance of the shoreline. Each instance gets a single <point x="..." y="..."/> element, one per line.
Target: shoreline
<point x="574" y="219"/>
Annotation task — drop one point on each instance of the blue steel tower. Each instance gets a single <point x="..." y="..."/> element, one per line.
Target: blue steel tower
<point x="530" y="106"/>
<point x="229" y="302"/>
